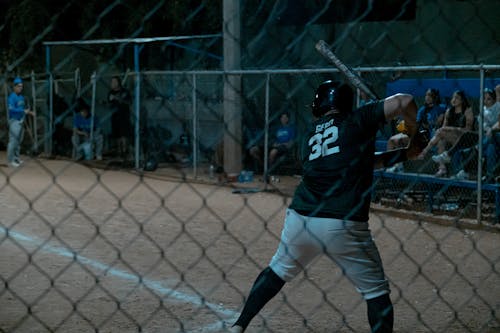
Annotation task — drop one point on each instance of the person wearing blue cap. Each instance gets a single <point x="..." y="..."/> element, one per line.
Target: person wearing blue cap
<point x="17" y="111"/>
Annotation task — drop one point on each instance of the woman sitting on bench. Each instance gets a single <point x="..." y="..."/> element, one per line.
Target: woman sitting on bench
<point x="458" y="120"/>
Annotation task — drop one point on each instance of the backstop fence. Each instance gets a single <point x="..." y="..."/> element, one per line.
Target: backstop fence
<point x="179" y="121"/>
<point x="161" y="235"/>
<point x="108" y="247"/>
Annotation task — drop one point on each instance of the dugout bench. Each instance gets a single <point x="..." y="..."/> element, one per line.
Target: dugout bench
<point x="433" y="185"/>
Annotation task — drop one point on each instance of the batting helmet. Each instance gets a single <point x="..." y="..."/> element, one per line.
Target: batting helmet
<point x="332" y="95"/>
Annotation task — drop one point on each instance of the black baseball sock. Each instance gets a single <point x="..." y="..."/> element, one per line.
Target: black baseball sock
<point x="265" y="287"/>
<point x="380" y="314"/>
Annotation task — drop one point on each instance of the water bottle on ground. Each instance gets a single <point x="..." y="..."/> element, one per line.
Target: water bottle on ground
<point x="211" y="171"/>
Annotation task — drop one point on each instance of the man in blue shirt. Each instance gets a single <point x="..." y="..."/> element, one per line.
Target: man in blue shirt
<point x="284" y="139"/>
<point x="430" y="118"/>
<point x="17" y="111"/>
<point x="83" y="137"/>
<point x="431" y="115"/>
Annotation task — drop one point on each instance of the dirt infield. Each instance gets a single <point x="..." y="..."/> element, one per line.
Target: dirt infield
<point x="85" y="249"/>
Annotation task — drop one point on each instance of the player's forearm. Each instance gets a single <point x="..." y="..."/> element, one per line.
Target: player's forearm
<point x="409" y="114"/>
<point x="402" y="105"/>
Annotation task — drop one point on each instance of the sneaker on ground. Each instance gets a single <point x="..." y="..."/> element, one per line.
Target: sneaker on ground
<point x="489" y="179"/>
<point x="14" y="164"/>
<point x="462" y="175"/>
<point x="398" y="167"/>
<point x="441" y="173"/>
<point x="236" y="329"/>
<point x="441" y="158"/>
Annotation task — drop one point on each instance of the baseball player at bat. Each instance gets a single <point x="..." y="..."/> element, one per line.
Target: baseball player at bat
<point x="329" y="210"/>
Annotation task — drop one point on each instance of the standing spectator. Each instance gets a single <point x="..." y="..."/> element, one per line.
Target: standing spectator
<point x="83" y="139"/>
<point x="119" y="98"/>
<point x="17" y="111"/>
<point x="458" y="120"/>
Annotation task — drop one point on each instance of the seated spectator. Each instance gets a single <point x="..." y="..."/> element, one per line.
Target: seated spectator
<point x="82" y="138"/>
<point x="492" y="150"/>
<point x="431" y="115"/>
<point x="491" y="112"/>
<point x="458" y="120"/>
<point x="491" y="107"/>
<point x="284" y="139"/>
<point x="429" y="118"/>
<point x="182" y="149"/>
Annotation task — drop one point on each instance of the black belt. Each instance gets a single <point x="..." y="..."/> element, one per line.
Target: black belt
<point x="320" y="214"/>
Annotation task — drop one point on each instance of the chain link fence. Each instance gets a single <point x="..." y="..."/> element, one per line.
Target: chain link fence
<point x="167" y="232"/>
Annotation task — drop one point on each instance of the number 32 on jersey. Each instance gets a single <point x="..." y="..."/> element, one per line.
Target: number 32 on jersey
<point x="322" y="144"/>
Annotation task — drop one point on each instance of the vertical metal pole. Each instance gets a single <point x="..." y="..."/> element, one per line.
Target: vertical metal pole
<point x="35" y="126"/>
<point x="266" y="134"/>
<point x="47" y="59"/>
<point x="480" y="145"/>
<point x="6" y="91"/>
<point x="78" y="82"/>
<point x="232" y="104"/>
<point x="195" y="129"/>
<point x="48" y="136"/>
<point x="93" y="80"/>
<point x="358" y="93"/>
<point x="51" y="115"/>
<point x="137" y="102"/>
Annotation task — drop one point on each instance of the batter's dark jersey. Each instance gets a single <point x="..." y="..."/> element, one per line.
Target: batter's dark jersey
<point x="337" y="156"/>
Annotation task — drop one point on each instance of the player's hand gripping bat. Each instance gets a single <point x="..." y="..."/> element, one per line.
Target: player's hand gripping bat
<point x="383" y="159"/>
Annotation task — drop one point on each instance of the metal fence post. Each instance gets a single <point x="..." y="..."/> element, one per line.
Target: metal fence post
<point x="480" y="145"/>
<point x="195" y="126"/>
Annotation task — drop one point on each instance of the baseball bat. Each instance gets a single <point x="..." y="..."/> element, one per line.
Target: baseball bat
<point x="351" y="76"/>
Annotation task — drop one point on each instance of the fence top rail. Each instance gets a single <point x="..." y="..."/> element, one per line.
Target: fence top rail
<point x="431" y="179"/>
<point x="329" y="70"/>
<point x="128" y="40"/>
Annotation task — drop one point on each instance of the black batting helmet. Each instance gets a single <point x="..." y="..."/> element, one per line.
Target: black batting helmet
<point x="332" y="95"/>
